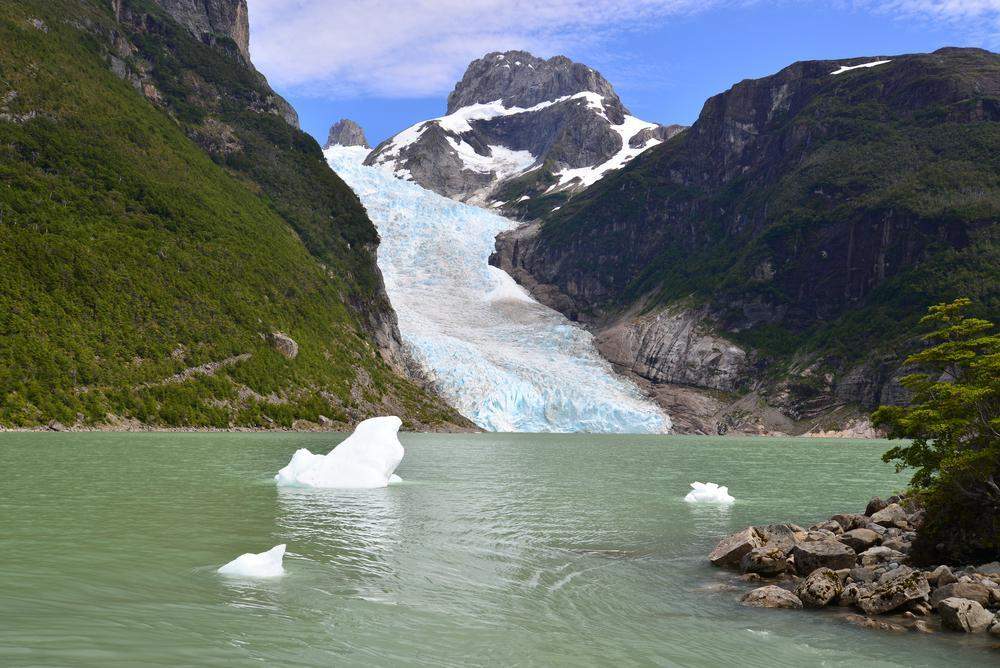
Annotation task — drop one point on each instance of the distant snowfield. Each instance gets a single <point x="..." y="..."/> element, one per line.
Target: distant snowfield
<point x="502" y="359"/>
<point x="848" y="68"/>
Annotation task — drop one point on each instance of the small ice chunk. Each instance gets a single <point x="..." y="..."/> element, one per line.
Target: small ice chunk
<point x="263" y="565"/>
<point x="708" y="492"/>
<point x="365" y="459"/>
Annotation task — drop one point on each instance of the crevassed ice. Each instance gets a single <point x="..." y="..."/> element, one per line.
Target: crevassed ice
<point x="502" y="359"/>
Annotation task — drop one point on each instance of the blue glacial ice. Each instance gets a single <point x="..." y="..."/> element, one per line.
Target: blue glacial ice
<point x="502" y="359"/>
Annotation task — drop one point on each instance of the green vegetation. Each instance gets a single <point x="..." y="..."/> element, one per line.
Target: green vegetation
<point x="873" y="197"/>
<point x="129" y="255"/>
<point x="954" y="424"/>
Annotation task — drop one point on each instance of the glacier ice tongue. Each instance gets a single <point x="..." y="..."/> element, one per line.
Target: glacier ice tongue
<point x="365" y="459"/>
<point x="262" y="565"/>
<point x="708" y="492"/>
<point x="502" y="359"/>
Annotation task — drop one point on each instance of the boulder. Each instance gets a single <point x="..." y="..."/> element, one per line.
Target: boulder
<point x="764" y="560"/>
<point x="899" y="544"/>
<point x="731" y="549"/>
<point x="863" y="574"/>
<point x="822" y="553"/>
<point x="961" y="614"/>
<point x="850" y="595"/>
<point x="995" y="629"/>
<point x="325" y="422"/>
<point x="859" y="540"/>
<point x="892" y="515"/>
<point x="820" y="589"/>
<point x="779" y="536"/>
<point x="992" y="568"/>
<point x="874" y="556"/>
<point x="941" y="576"/>
<point x="833" y="527"/>
<point x="920" y="626"/>
<point x="849" y="521"/>
<point x="284" y="344"/>
<point x="972" y="591"/>
<point x="771" y="596"/>
<point x="874" y="624"/>
<point x="56" y="425"/>
<point x="894" y="589"/>
<point x="874" y="506"/>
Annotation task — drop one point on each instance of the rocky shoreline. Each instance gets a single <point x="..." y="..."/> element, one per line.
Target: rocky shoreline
<point x="858" y="565"/>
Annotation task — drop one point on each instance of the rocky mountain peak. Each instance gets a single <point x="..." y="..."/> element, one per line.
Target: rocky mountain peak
<point x="228" y="18"/>
<point x="346" y="132"/>
<point x="520" y="79"/>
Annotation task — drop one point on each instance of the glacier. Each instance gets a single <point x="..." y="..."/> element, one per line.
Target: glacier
<point x="503" y="360"/>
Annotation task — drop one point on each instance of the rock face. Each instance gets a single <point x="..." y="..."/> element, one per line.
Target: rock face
<point x="771" y="596"/>
<point x="346" y="132"/>
<point x="753" y="215"/>
<point x="521" y="134"/>
<point x="960" y="614"/>
<point x="209" y="19"/>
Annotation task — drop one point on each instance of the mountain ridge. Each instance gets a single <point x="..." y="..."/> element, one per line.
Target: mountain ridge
<point x="805" y="219"/>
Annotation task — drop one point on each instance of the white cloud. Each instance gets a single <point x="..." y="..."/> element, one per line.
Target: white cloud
<point x="403" y="48"/>
<point x="413" y="48"/>
<point x="980" y="19"/>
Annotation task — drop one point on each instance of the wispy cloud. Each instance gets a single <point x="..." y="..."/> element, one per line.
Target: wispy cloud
<point x="978" y="18"/>
<point x="414" y="48"/>
<point x="403" y="48"/>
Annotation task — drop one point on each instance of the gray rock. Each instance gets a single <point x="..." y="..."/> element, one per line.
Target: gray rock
<point x="967" y="590"/>
<point x="874" y="624"/>
<point x="822" y="553"/>
<point x="961" y="614"/>
<point x="833" y="527"/>
<point x="346" y="132"/>
<point x="920" y="626"/>
<point x="859" y="539"/>
<point x="849" y="521"/>
<point x="771" y="596"/>
<point x="208" y="18"/>
<point x="899" y="544"/>
<point x="892" y="515"/>
<point x="874" y="506"/>
<point x="849" y="596"/>
<point x="780" y="536"/>
<point x="765" y="560"/>
<point x="941" y="576"/>
<point x="992" y="568"/>
<point x="731" y="549"/>
<point x="56" y="425"/>
<point x="893" y="590"/>
<point x="284" y="344"/>
<point x="863" y="574"/>
<point x="820" y="589"/>
<point x="874" y="556"/>
<point x="325" y="422"/>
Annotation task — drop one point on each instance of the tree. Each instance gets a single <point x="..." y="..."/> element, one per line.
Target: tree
<point x="953" y="422"/>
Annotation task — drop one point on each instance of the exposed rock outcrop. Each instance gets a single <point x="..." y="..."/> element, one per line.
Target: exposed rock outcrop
<point x="346" y="132"/>
<point x="210" y="19"/>
<point x="521" y="134"/>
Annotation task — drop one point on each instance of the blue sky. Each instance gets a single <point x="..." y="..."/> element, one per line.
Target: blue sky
<point x="390" y="63"/>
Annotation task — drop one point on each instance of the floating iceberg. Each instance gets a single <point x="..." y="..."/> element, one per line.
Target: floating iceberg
<point x="502" y="359"/>
<point x="263" y="565"/>
<point x="365" y="459"/>
<point x="708" y="492"/>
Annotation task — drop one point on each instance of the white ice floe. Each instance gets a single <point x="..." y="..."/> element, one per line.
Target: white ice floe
<point x="848" y="68"/>
<point x="365" y="459"/>
<point x="262" y="565"/>
<point x="708" y="492"/>
<point x="502" y="359"/>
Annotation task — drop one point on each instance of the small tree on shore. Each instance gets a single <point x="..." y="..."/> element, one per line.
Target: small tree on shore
<point x="953" y="422"/>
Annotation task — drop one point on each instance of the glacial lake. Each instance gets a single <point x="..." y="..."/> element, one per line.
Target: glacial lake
<point x="497" y="549"/>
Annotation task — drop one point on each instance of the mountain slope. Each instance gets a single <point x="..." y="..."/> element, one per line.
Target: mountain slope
<point x="521" y="134"/>
<point x="791" y="236"/>
<point x="166" y="231"/>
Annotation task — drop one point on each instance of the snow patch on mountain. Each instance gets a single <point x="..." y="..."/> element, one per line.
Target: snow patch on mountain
<point x="848" y="68"/>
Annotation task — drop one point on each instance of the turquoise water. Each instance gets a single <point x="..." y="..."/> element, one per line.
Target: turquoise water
<point x="496" y="550"/>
